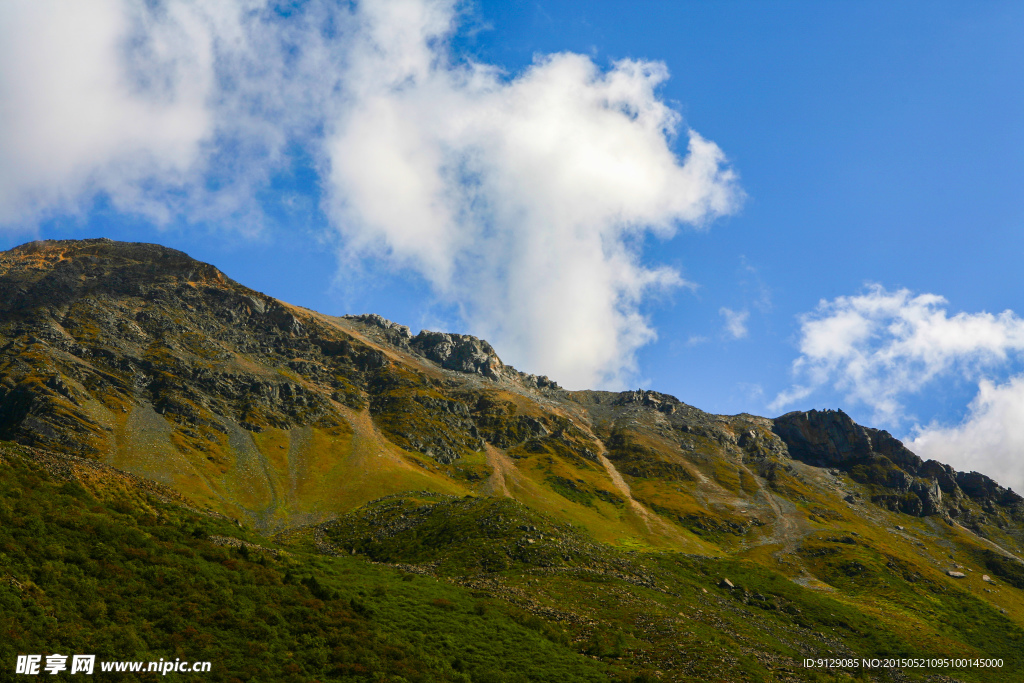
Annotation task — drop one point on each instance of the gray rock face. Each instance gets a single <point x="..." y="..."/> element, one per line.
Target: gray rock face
<point x="943" y="474"/>
<point x="285" y="320"/>
<point x="830" y="438"/>
<point x="980" y="487"/>
<point x="535" y="381"/>
<point x="396" y="334"/>
<point x="827" y="438"/>
<point x="459" y="352"/>
<point x="661" y="402"/>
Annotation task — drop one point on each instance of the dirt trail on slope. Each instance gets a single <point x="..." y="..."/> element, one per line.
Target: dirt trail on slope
<point x="502" y="471"/>
<point x="785" y="531"/>
<point x="622" y="486"/>
<point x="613" y="473"/>
<point x="368" y="442"/>
<point x="650" y="520"/>
<point x="991" y="544"/>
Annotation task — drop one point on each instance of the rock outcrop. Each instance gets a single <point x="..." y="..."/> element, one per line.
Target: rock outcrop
<point x="829" y="438"/>
<point x="663" y="403"/>
<point x="458" y="352"/>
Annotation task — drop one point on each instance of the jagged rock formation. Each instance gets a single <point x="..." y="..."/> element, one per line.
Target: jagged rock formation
<point x="458" y="352"/>
<point x="829" y="438"/>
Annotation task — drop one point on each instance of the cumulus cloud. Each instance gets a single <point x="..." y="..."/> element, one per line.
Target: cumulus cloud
<point x="521" y="198"/>
<point x="167" y="109"/>
<point x="735" y="322"/>
<point x="880" y="346"/>
<point x="524" y="200"/>
<point x="991" y="438"/>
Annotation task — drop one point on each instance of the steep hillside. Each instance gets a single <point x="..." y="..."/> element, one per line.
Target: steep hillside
<point x="93" y="562"/>
<point x="353" y="438"/>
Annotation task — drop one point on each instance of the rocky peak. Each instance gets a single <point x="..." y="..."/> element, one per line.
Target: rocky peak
<point x="652" y="399"/>
<point x="829" y="438"/>
<point x="823" y="437"/>
<point x="459" y="352"/>
<point x="386" y="330"/>
<point x="381" y="322"/>
<point x="51" y="274"/>
<point x="980" y="487"/>
<point x="471" y="355"/>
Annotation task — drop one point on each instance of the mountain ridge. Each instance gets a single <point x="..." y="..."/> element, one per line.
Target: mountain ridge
<point x="43" y="283"/>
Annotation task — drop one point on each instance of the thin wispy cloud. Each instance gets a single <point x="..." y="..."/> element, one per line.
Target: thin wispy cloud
<point x="755" y="286"/>
<point x="735" y="322"/>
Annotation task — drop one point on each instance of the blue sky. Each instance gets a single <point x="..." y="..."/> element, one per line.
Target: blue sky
<point x="755" y="207"/>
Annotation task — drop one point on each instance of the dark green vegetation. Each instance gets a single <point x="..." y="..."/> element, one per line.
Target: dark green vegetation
<point x="1008" y="570"/>
<point x="125" y="576"/>
<point x="410" y="508"/>
<point x="668" y="611"/>
<point x="463" y="535"/>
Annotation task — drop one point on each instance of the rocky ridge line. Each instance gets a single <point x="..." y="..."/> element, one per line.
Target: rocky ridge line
<point x="829" y="438"/>
<point x="459" y="352"/>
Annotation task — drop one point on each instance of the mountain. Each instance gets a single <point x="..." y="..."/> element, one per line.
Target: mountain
<point x="629" y="527"/>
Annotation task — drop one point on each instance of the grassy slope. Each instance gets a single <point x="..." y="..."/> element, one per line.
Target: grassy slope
<point x="667" y="610"/>
<point x="107" y="568"/>
<point x="121" y="575"/>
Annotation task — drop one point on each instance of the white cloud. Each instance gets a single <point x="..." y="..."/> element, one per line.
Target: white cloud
<point x="520" y="198"/>
<point x="990" y="440"/>
<point x="880" y="346"/>
<point x="72" y="111"/>
<point x="735" y="322"/>
<point x="169" y="109"/>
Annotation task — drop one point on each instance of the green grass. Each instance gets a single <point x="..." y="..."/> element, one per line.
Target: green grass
<point x="462" y="535"/>
<point x="127" y="577"/>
